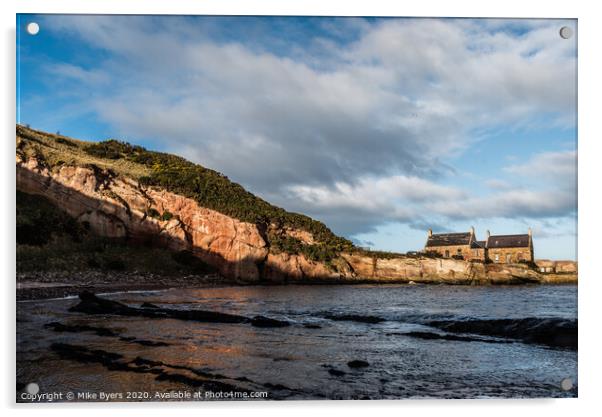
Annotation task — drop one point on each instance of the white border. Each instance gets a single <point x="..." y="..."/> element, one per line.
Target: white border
<point x="589" y="201"/>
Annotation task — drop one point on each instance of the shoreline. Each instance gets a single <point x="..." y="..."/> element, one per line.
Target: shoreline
<point x="61" y="285"/>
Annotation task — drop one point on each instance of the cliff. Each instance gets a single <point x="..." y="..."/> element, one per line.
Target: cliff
<point x="126" y="193"/>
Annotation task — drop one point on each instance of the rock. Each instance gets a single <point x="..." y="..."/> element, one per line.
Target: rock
<point x="276" y="386"/>
<point x="163" y="371"/>
<point x="261" y="321"/>
<point x="357" y="364"/>
<point x="143" y="342"/>
<point x="148" y="305"/>
<point x="99" y="331"/>
<point x="312" y="326"/>
<point x="85" y="355"/>
<point x="554" y="332"/>
<point x="91" y="304"/>
<point x="116" y="206"/>
<point x="336" y="372"/>
<point x="283" y="267"/>
<point x="354" y="317"/>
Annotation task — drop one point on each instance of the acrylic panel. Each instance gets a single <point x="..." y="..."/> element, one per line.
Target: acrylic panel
<point x="295" y="208"/>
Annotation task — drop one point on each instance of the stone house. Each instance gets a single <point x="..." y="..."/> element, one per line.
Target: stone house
<point x="496" y="249"/>
<point x="479" y="250"/>
<point x="448" y="245"/>
<point x="507" y="249"/>
<point x="547" y="266"/>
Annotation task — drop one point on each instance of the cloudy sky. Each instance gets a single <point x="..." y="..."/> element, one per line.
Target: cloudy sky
<point x="381" y="128"/>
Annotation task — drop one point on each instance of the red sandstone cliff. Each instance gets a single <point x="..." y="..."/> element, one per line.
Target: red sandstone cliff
<point x="117" y="206"/>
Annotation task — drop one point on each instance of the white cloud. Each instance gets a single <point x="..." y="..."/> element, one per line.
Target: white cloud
<point x="560" y="167"/>
<point x="551" y="179"/>
<point x="69" y="71"/>
<point x="370" y="201"/>
<point x="497" y="184"/>
<point x="356" y="133"/>
<point x="509" y="204"/>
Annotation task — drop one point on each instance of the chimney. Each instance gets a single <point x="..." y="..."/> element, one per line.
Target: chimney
<point x="472" y="230"/>
<point x="430" y="232"/>
<point x="530" y="233"/>
<point x="488" y="234"/>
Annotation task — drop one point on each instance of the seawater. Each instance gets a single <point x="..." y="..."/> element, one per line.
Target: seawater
<point x="309" y="359"/>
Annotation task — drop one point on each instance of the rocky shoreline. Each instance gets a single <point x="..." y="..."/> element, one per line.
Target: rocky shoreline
<point x="45" y="285"/>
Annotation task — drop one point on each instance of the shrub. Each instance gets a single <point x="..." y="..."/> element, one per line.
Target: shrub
<point x="110" y="149"/>
<point x="166" y="216"/>
<point x="215" y="191"/>
<point x="65" y="142"/>
<point x="151" y="212"/>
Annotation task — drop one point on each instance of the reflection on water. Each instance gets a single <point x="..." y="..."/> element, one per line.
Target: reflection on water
<point x="298" y="362"/>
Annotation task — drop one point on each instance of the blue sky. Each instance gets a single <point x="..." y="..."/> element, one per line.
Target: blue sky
<point x="381" y="128"/>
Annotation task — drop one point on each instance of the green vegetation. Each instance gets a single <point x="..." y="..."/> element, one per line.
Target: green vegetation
<point x="208" y="187"/>
<point x="166" y="216"/>
<point x="215" y="191"/>
<point x="109" y="149"/>
<point x="48" y="239"/>
<point x="381" y="254"/>
<point x="55" y="151"/>
<point x="153" y="213"/>
<point x="320" y="252"/>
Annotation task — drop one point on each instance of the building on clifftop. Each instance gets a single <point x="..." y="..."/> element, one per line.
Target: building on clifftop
<point x="496" y="249"/>
<point x="455" y="245"/>
<point x="508" y="249"/>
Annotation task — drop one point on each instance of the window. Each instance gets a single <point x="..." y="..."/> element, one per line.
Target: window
<point x="447" y="254"/>
<point x="459" y="252"/>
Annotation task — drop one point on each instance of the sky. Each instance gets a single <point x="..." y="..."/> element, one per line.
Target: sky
<point x="380" y="127"/>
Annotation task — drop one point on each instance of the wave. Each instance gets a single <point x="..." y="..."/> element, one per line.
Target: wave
<point x="554" y="332"/>
<point x="452" y="337"/>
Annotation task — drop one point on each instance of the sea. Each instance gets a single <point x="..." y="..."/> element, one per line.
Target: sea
<point x="365" y="342"/>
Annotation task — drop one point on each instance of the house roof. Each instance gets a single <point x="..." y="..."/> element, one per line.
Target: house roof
<point x="448" y="239"/>
<point x="508" y="241"/>
<point x="478" y="244"/>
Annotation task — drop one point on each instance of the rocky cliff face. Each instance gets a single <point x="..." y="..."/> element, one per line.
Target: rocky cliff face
<point x="119" y="207"/>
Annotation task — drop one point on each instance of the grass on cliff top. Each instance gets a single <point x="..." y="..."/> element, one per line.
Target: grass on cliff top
<point x="209" y="188"/>
<point x="56" y="150"/>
